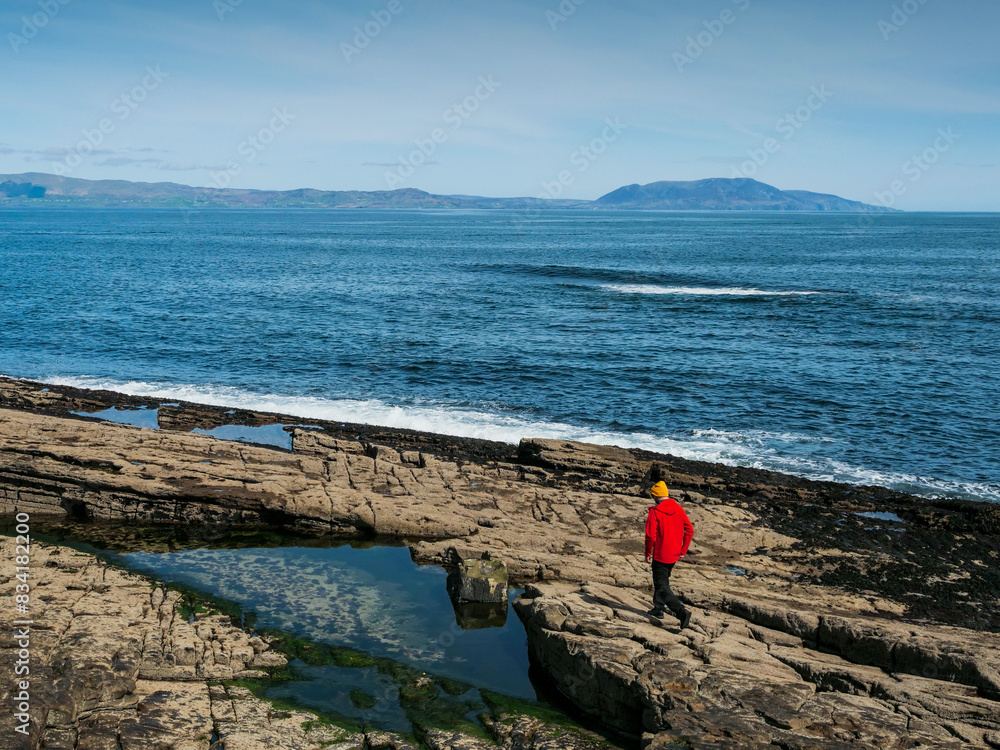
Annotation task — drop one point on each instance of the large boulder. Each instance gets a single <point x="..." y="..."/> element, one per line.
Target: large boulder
<point x="479" y="580"/>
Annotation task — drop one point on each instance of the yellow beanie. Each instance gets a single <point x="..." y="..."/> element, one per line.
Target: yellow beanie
<point x="660" y="490"/>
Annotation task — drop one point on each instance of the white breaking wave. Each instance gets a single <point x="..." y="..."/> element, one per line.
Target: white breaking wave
<point x="699" y="291"/>
<point x="423" y="416"/>
<point x="751" y="448"/>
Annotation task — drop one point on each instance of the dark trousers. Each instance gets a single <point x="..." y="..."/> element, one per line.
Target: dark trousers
<point x="663" y="596"/>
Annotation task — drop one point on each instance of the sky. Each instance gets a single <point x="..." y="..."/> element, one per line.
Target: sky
<point x="894" y="103"/>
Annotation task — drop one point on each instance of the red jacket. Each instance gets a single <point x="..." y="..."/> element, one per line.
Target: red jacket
<point x="668" y="532"/>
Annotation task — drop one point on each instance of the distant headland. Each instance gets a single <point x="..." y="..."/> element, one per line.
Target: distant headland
<point x="714" y="194"/>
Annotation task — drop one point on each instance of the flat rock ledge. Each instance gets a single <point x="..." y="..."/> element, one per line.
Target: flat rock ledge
<point x="730" y="680"/>
<point x="814" y="626"/>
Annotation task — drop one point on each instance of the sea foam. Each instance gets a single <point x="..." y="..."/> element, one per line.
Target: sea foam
<point x="757" y="449"/>
<point x="701" y="291"/>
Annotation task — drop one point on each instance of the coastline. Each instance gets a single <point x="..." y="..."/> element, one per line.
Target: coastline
<point x="838" y="624"/>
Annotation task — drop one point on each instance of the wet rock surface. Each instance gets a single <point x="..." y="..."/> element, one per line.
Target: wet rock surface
<point x="814" y="626"/>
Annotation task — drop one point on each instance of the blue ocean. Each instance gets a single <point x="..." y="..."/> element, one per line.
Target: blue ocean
<point x="861" y="349"/>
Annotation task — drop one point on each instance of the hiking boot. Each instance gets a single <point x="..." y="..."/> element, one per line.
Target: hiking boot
<point x="685" y="619"/>
<point x="655" y="613"/>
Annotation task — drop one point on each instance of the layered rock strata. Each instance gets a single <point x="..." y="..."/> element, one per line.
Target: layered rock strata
<point x="815" y="626"/>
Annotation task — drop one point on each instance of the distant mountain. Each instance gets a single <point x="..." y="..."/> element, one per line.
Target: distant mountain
<point x="36" y="188"/>
<point x="724" y="194"/>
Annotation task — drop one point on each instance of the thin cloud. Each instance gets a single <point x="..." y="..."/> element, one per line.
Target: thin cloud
<point x="395" y="163"/>
<point x="159" y="164"/>
<point x="716" y="159"/>
<point x="57" y="154"/>
<point x="122" y="161"/>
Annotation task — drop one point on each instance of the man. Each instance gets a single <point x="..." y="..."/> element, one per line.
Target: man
<point x="668" y="536"/>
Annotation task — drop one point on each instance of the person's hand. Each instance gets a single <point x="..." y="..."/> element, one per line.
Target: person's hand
<point x="648" y="558"/>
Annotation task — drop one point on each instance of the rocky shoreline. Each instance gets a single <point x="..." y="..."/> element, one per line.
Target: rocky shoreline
<point x="817" y="624"/>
